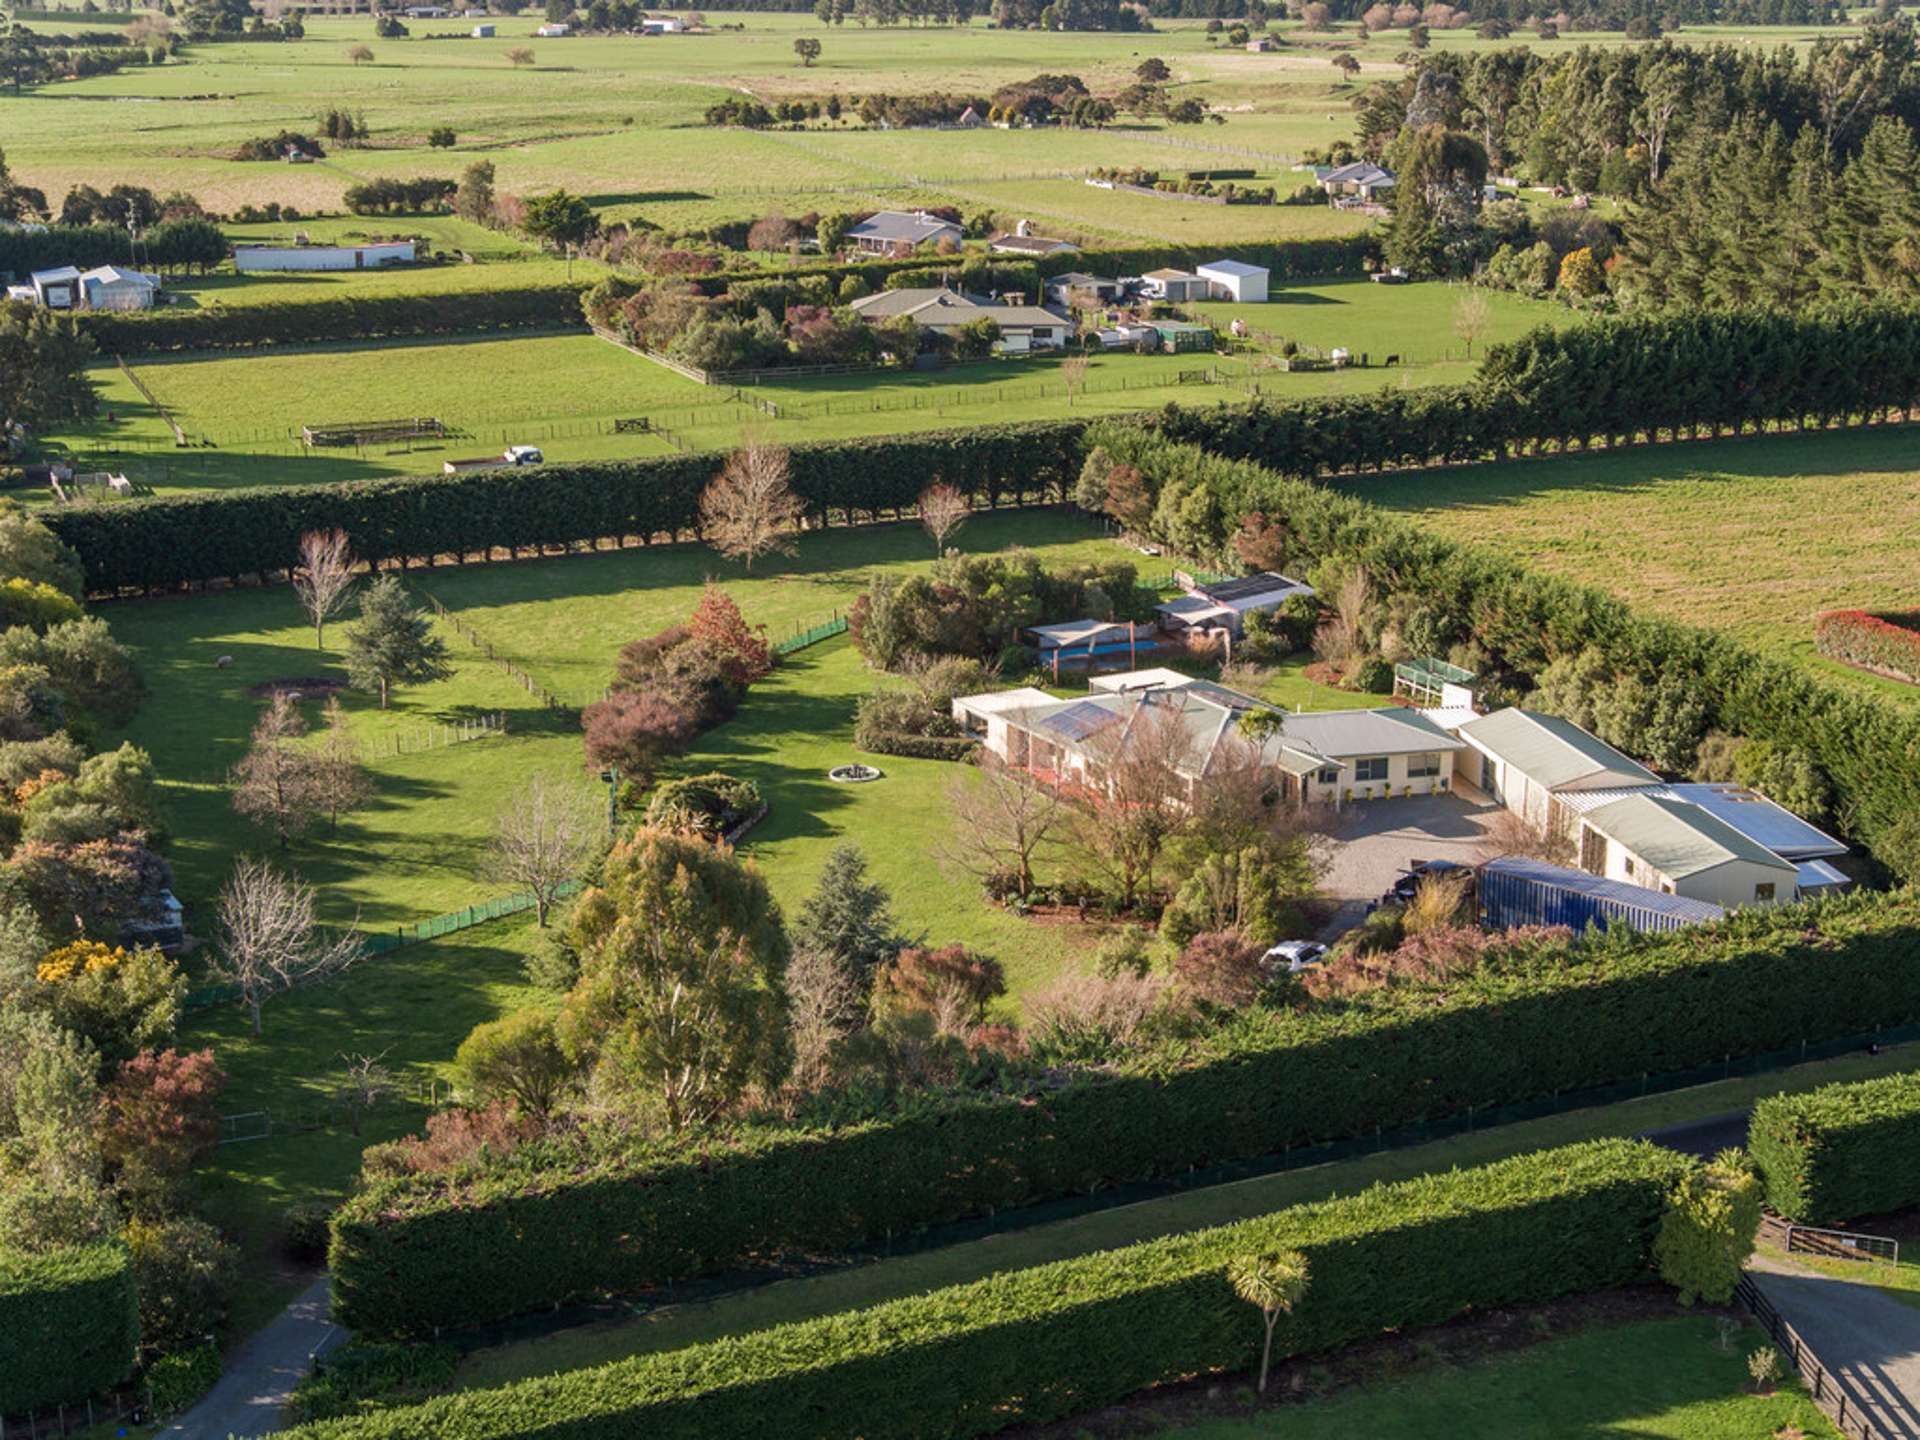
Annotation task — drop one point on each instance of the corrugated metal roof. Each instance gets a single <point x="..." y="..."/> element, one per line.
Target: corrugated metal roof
<point x="1818" y="875"/>
<point x="1551" y="751"/>
<point x="1747" y="811"/>
<point x="1390" y="730"/>
<point x="1635" y="896"/>
<point x="1230" y="267"/>
<point x="996" y="701"/>
<point x="1678" y="839"/>
<point x="899" y="225"/>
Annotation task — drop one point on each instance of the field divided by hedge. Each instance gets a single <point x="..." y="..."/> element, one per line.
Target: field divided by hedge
<point x="68" y="1325"/>
<point x="1841" y="1152"/>
<point x="561" y="1219"/>
<point x="1054" y="1341"/>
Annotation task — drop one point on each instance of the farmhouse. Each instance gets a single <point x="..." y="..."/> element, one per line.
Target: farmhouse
<point x="1024" y="242"/>
<point x="894" y="231"/>
<point x="1174" y="285"/>
<point x="1225" y="604"/>
<point x="1362" y="180"/>
<point x="1235" y="280"/>
<point x="1679" y="849"/>
<point x="1333" y="755"/>
<point x="1022" y="327"/>
<point x="1527" y="760"/>
<point x="371" y="256"/>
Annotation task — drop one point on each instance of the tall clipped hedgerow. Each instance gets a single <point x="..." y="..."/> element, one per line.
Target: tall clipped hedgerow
<point x="68" y="1325"/>
<point x="1841" y="1152"/>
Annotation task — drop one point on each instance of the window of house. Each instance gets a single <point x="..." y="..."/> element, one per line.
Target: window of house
<point x="1593" y="851"/>
<point x="1763" y="893"/>
<point x="1423" y="765"/>
<point x="1374" y="767"/>
<point x="1328" y="776"/>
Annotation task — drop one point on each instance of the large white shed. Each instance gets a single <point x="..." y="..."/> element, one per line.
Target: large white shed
<point x="1235" y="280"/>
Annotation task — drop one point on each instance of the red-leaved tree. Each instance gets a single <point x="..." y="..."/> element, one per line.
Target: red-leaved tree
<point x="1221" y="967"/>
<point x="717" y="623"/>
<point x="1261" y="542"/>
<point x="953" y="984"/>
<point x="158" y="1115"/>
<point x="635" y="731"/>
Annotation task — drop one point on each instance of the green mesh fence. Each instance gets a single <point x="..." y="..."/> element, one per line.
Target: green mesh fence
<point x="823" y="631"/>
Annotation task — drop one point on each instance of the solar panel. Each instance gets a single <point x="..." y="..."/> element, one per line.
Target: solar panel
<point x="1079" y="720"/>
<point x="1251" y="585"/>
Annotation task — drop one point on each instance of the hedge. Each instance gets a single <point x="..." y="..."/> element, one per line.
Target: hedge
<point x="354" y="317"/>
<point x="1056" y="1340"/>
<point x="564" y="1218"/>
<point x="220" y="535"/>
<point x="1891" y="645"/>
<point x="915" y="747"/>
<point x="68" y="1325"/>
<point x="1840" y="1152"/>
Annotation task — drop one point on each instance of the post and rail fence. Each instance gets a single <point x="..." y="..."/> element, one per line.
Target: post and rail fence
<point x="1826" y="1391"/>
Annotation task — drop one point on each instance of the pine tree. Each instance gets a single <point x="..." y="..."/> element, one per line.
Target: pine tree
<point x="849" y="917"/>
<point x="393" y="643"/>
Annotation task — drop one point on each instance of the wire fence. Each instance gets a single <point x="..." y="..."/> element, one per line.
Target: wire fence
<point x="486" y="647"/>
<point x="812" y="635"/>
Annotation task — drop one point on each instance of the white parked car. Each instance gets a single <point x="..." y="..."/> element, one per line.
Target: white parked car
<point x="1295" y="955"/>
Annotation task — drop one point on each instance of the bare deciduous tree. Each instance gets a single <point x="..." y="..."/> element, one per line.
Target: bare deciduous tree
<point x="750" y="509"/>
<point x="1471" y="316"/>
<point x="268" y="942"/>
<point x="1509" y="834"/>
<point x="943" y="510"/>
<point x="341" y="784"/>
<point x="541" y="840"/>
<point x="326" y="575"/>
<point x="365" y="1083"/>
<point x="1343" y="635"/>
<point x="276" y="784"/>
<point x="1073" y="374"/>
<point x="1136" y="800"/>
<point x="1002" y="823"/>
<point x="520" y="55"/>
<point x="823" y="1007"/>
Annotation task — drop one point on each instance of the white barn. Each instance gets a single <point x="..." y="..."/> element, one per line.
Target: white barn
<point x="248" y="259"/>
<point x="1523" y="759"/>
<point x="1679" y="849"/>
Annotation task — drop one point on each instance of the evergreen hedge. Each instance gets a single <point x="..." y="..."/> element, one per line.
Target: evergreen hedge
<point x="357" y="318"/>
<point x="68" y="1325"/>
<point x="1840" y="1152"/>
<point x="564" y="1218"/>
<point x="228" y="534"/>
<point x="1056" y="1340"/>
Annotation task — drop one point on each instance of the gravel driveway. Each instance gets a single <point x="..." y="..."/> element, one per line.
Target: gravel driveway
<point x="1375" y="841"/>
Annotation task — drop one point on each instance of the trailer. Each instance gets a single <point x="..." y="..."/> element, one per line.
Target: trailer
<point x="1530" y="892"/>
<point x="513" y="455"/>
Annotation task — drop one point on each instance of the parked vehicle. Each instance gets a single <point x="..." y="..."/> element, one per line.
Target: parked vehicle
<point x="512" y="455"/>
<point x="1405" y="887"/>
<point x="1295" y="955"/>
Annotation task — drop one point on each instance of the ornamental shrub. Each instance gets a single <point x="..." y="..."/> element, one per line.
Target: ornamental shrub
<point x="1707" y="1231"/>
<point x="175" y="1381"/>
<point x="1029" y="1346"/>
<point x="1840" y="1152"/>
<point x="67" y="1325"/>
<point x="708" y="805"/>
<point x="567" y="1217"/>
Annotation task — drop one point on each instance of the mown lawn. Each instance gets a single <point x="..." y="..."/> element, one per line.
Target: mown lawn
<point x="1753" y="536"/>
<point x="1652" y="1380"/>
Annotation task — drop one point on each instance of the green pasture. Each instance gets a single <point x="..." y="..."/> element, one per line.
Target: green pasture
<point x="243" y="409"/>
<point x="1649" y="1380"/>
<point x="619" y="119"/>
<point x="525" y="268"/>
<point x="1753" y="536"/>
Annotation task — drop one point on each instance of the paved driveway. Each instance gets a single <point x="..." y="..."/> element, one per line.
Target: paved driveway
<point x="1376" y="840"/>
<point x="261" y="1374"/>
<point x="1868" y="1341"/>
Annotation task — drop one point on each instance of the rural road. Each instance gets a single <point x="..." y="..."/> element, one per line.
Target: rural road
<point x="1704" y="1138"/>
<point x="261" y="1374"/>
<point x="1869" y="1342"/>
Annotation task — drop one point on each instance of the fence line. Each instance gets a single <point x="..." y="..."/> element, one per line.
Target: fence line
<point x="179" y="435"/>
<point x="813" y="635"/>
<point x="1827" y="1392"/>
<point x="480" y="642"/>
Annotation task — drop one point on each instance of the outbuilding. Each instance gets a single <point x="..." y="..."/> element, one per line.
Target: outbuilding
<point x="248" y="259"/>
<point x="1679" y="849"/>
<point x="1225" y="604"/>
<point x="1523" y="759"/>
<point x="483" y="32"/>
<point x="110" y="287"/>
<point x="1235" y="280"/>
<point x="1174" y="285"/>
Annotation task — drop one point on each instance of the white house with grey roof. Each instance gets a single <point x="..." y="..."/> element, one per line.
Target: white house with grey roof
<point x="1679" y="849"/>
<point x="1330" y="756"/>
<point x="1022" y="327"/>
<point x="893" y="232"/>
<point x="1525" y="759"/>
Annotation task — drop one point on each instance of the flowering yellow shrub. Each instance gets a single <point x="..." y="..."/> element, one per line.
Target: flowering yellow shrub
<point x="86" y="956"/>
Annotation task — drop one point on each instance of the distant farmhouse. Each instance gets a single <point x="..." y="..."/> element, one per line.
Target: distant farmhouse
<point x="894" y="232"/>
<point x="1024" y="242"/>
<point x="1022" y="327"/>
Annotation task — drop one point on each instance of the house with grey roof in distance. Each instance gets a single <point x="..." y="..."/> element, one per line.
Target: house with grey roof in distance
<point x="896" y="232"/>
<point x="1022" y="327"/>
<point x="1024" y="242"/>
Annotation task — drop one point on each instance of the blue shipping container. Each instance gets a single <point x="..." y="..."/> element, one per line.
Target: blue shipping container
<point x="1529" y="892"/>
